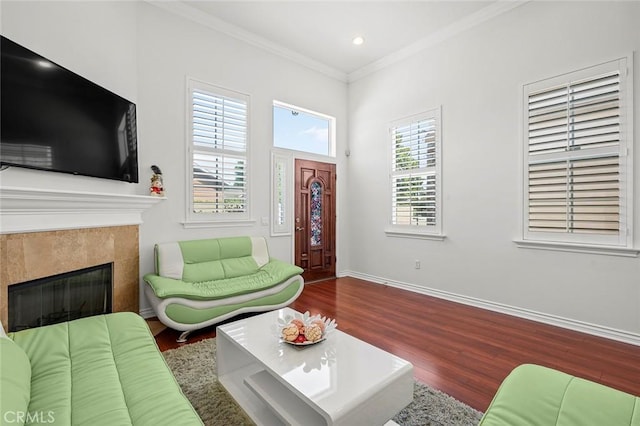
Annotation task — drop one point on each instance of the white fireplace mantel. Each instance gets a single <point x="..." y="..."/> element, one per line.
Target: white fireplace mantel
<point x="35" y="210"/>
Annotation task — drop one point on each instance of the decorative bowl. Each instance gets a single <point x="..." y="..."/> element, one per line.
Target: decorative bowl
<point x="304" y="329"/>
<point x="305" y="343"/>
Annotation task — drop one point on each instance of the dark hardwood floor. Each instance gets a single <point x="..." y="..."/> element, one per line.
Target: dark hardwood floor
<point x="461" y="350"/>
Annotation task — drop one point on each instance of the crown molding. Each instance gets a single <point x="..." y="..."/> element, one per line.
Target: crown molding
<point x="195" y="15"/>
<point x="495" y="9"/>
<point x="184" y="10"/>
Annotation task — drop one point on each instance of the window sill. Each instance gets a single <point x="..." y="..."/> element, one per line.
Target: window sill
<point x="217" y="223"/>
<point x="414" y="234"/>
<point x="578" y="248"/>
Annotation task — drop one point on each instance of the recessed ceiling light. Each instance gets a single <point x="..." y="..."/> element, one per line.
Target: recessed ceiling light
<point x="44" y="64"/>
<point x="358" y="40"/>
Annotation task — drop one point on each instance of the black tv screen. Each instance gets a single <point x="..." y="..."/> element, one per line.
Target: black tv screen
<point x="53" y="119"/>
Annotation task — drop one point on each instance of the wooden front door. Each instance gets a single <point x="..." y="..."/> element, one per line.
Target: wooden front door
<point x="315" y="219"/>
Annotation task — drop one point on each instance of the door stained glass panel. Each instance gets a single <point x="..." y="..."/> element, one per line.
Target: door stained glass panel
<point x="316" y="213"/>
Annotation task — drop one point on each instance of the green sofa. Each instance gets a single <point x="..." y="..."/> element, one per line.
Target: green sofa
<point x="101" y="370"/>
<point x="198" y="283"/>
<point x="534" y="395"/>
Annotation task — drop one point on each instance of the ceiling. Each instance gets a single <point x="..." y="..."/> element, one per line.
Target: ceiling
<point x="321" y="32"/>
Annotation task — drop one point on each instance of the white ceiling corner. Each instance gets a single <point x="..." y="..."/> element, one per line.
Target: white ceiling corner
<point x="189" y="12"/>
<point x="465" y="23"/>
<point x="318" y="34"/>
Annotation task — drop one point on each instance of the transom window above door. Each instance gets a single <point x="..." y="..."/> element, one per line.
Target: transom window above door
<point x="300" y="129"/>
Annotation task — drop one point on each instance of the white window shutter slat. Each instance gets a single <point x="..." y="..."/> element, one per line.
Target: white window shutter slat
<point x="576" y="162"/>
<point x="415" y="172"/>
<point x="219" y="141"/>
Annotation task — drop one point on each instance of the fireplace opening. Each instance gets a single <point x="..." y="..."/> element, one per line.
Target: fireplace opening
<point x="60" y="298"/>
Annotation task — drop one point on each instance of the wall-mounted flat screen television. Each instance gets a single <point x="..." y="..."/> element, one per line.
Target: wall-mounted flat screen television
<point x="53" y="119"/>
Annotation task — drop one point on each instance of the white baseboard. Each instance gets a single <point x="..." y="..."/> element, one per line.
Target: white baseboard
<point x="584" y="327"/>
<point x="147" y="313"/>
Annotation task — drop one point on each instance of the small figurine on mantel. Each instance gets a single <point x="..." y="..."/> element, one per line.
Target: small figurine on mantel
<point x="157" y="186"/>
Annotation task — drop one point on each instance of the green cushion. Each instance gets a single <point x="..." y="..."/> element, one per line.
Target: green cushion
<point x="219" y="269"/>
<point x="15" y="382"/>
<point x="231" y="248"/>
<point x="102" y="370"/>
<point x="188" y="315"/>
<point x="535" y="395"/>
<point x="273" y="273"/>
<point x="210" y="259"/>
<point x="196" y="272"/>
<point x="239" y="266"/>
<point x="196" y="251"/>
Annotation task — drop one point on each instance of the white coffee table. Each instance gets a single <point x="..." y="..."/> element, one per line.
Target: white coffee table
<point x="340" y="381"/>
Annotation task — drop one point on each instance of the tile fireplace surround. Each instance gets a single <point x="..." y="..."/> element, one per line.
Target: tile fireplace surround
<point x="29" y="256"/>
<point x="48" y="232"/>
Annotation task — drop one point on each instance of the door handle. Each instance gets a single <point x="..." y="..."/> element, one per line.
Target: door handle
<point x="299" y="228"/>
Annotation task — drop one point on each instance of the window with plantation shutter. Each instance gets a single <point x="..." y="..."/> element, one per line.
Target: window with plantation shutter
<point x="415" y="175"/>
<point x="218" y="147"/>
<point x="578" y="163"/>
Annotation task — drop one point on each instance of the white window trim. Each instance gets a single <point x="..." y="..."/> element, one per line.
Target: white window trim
<point x="578" y="248"/>
<point x="550" y="241"/>
<point x="391" y="232"/>
<point x="285" y="160"/>
<point x="201" y="220"/>
<point x="331" y="157"/>
<point x="435" y="232"/>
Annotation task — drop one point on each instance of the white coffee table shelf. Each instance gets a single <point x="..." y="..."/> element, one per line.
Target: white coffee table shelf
<point x="341" y="381"/>
<point x="284" y="404"/>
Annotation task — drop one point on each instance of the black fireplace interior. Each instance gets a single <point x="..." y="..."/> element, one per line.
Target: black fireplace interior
<point x="60" y="298"/>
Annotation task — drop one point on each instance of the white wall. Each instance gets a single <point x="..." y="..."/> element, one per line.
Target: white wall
<point x="477" y="77"/>
<point x="94" y="39"/>
<point x="170" y="49"/>
<point x="144" y="54"/>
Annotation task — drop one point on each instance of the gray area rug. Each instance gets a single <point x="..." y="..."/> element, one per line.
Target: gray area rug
<point x="194" y="367"/>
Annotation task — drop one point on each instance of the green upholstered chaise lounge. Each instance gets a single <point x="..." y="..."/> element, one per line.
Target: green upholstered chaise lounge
<point x="532" y="395"/>
<point x="198" y="283"/>
<point x="101" y="370"/>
